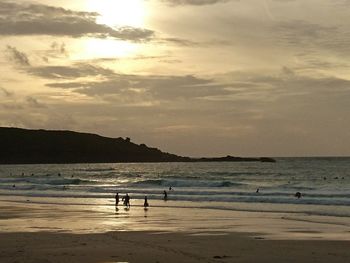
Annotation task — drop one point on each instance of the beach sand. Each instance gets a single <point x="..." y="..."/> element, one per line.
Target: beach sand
<point x="40" y="230"/>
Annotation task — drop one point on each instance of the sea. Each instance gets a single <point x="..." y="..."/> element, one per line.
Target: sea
<point x="324" y="184"/>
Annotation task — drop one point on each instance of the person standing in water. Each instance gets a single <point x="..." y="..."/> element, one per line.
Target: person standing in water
<point x="145" y="204"/>
<point x="117" y="199"/>
<point x="126" y="200"/>
<point x="165" y="195"/>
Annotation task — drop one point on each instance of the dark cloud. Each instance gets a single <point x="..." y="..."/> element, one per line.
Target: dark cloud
<point x="311" y="37"/>
<point x="101" y="60"/>
<point x="152" y="86"/>
<point x="37" y="19"/>
<point x="59" y="47"/>
<point x="69" y="72"/>
<point x="78" y="70"/>
<point x="290" y="84"/>
<point x="56" y="50"/>
<point x="242" y="87"/>
<point x="293" y="35"/>
<point x="302" y="32"/>
<point x="17" y="57"/>
<point x="6" y="92"/>
<point x="157" y="58"/>
<point x="34" y="103"/>
<point x="156" y="87"/>
<point x="190" y="43"/>
<point x="179" y="41"/>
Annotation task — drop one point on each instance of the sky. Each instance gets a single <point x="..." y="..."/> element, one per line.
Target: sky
<point x="191" y="77"/>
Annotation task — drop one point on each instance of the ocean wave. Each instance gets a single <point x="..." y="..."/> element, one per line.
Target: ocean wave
<point x="202" y="199"/>
<point x="185" y="183"/>
<point x="63" y="181"/>
<point x="44" y="180"/>
<point x="232" y="184"/>
<point x="105" y="169"/>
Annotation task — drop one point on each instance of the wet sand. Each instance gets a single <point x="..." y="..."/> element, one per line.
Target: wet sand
<point x="40" y="231"/>
<point x="166" y="247"/>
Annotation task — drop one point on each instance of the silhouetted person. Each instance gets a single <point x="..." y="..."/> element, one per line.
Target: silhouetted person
<point x="297" y="194"/>
<point x="257" y="190"/>
<point x="116" y="199"/>
<point x="126" y="200"/>
<point x="170" y="188"/>
<point x="145" y="204"/>
<point x="165" y="195"/>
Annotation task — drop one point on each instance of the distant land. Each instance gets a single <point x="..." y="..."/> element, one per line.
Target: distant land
<point x="23" y="146"/>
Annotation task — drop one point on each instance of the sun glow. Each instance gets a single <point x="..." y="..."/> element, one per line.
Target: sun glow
<point x="119" y="12"/>
<point x="103" y="50"/>
<point x="114" y="13"/>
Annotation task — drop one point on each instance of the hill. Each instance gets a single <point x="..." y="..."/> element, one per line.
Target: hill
<point x="22" y="146"/>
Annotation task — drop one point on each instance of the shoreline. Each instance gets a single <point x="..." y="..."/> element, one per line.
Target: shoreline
<point x="77" y="215"/>
<point x="50" y="233"/>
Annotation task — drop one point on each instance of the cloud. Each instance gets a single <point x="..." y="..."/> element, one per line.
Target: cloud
<point x="287" y="84"/>
<point x="152" y="87"/>
<point x="68" y="72"/>
<point x="34" y="103"/>
<point x="6" y="92"/>
<point x="38" y="19"/>
<point x="312" y="38"/>
<point x="286" y="35"/>
<point x="77" y="70"/>
<point x="284" y="1"/>
<point x="60" y="48"/>
<point x="194" y="2"/>
<point x="239" y="88"/>
<point x="179" y="41"/>
<point x="57" y="50"/>
<point x="17" y="57"/>
<point x="302" y="32"/>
